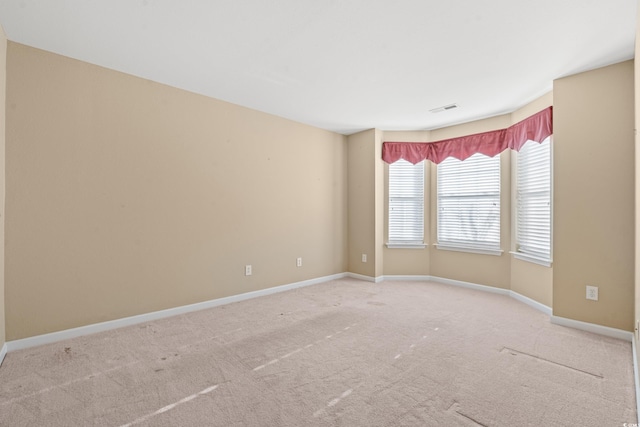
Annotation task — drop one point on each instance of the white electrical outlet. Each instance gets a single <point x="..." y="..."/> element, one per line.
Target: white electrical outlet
<point x="299" y="262"/>
<point x="592" y="293"/>
<point x="247" y="270"/>
<point x="364" y="257"/>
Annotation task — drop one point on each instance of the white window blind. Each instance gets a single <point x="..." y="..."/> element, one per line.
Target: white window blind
<point x="469" y="203"/>
<point x="533" y="228"/>
<point x="406" y="203"/>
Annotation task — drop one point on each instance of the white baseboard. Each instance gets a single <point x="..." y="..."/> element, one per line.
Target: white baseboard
<point x="576" y="324"/>
<point x="592" y="327"/>
<point x="147" y="317"/>
<point x="365" y="278"/>
<point x="532" y="303"/>
<point x="3" y="352"/>
<point x="414" y="278"/>
<point x="634" y="342"/>
<point x="469" y="285"/>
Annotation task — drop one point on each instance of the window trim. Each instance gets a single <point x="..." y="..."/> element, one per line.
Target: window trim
<point x="396" y="245"/>
<point x="469" y="249"/>
<point x="532" y="259"/>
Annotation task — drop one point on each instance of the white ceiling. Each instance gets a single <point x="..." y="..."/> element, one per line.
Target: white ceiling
<point x="342" y="65"/>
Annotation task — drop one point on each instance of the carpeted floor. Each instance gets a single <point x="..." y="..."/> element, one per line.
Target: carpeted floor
<point x="342" y="353"/>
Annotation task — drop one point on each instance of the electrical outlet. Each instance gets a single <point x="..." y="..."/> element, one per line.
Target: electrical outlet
<point x="592" y="293"/>
<point x="299" y="262"/>
<point x="247" y="270"/>
<point x="364" y="257"/>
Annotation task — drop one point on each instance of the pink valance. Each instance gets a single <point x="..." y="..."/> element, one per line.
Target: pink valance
<point x="535" y="128"/>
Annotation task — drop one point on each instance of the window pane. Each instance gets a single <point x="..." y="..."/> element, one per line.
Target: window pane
<point x="406" y="202"/>
<point x="469" y="202"/>
<point x="533" y="228"/>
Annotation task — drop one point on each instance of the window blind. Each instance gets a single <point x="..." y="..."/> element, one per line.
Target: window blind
<point x="533" y="228"/>
<point x="469" y="202"/>
<point x="406" y="203"/>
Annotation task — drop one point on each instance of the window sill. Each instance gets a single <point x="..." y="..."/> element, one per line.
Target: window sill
<point x="398" y="245"/>
<point x="469" y="249"/>
<point x="529" y="258"/>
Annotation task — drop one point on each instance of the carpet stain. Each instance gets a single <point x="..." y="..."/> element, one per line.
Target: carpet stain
<point x="333" y="402"/>
<point x="514" y="352"/>
<point x="171" y="406"/>
<point x="375" y="303"/>
<point x="455" y="409"/>
<point x="298" y="350"/>
<point x="470" y="419"/>
<point x="68" y="383"/>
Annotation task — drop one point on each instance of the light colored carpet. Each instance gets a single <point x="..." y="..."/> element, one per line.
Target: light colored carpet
<point x="342" y="353"/>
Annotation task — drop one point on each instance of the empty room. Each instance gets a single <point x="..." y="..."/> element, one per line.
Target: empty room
<point x="323" y="213"/>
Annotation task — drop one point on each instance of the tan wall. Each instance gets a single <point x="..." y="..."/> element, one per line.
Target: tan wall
<point x="637" y="184"/>
<point x="407" y="261"/>
<point x="379" y="204"/>
<point x="481" y="269"/>
<point x="3" y="76"/>
<point x="362" y="165"/>
<point x="594" y="195"/>
<point x="531" y="280"/>
<point x="125" y="196"/>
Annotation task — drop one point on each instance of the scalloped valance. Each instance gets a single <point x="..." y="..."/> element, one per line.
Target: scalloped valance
<point x="535" y="128"/>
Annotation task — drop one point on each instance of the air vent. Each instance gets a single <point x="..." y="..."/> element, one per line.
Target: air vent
<point x="444" y="108"/>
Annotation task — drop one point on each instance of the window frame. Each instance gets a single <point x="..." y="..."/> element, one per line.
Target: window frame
<point x="471" y="246"/>
<point x="402" y="166"/>
<point x="529" y="256"/>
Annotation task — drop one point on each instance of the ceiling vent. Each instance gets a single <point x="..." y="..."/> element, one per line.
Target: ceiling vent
<point x="444" y="108"/>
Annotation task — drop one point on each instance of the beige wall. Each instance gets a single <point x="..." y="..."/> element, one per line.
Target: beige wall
<point x="125" y="196"/>
<point x="362" y="165"/>
<point x="594" y="195"/>
<point x="532" y="280"/>
<point x="3" y="75"/>
<point x="637" y="183"/>
<point x="380" y="204"/>
<point x="366" y="203"/>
